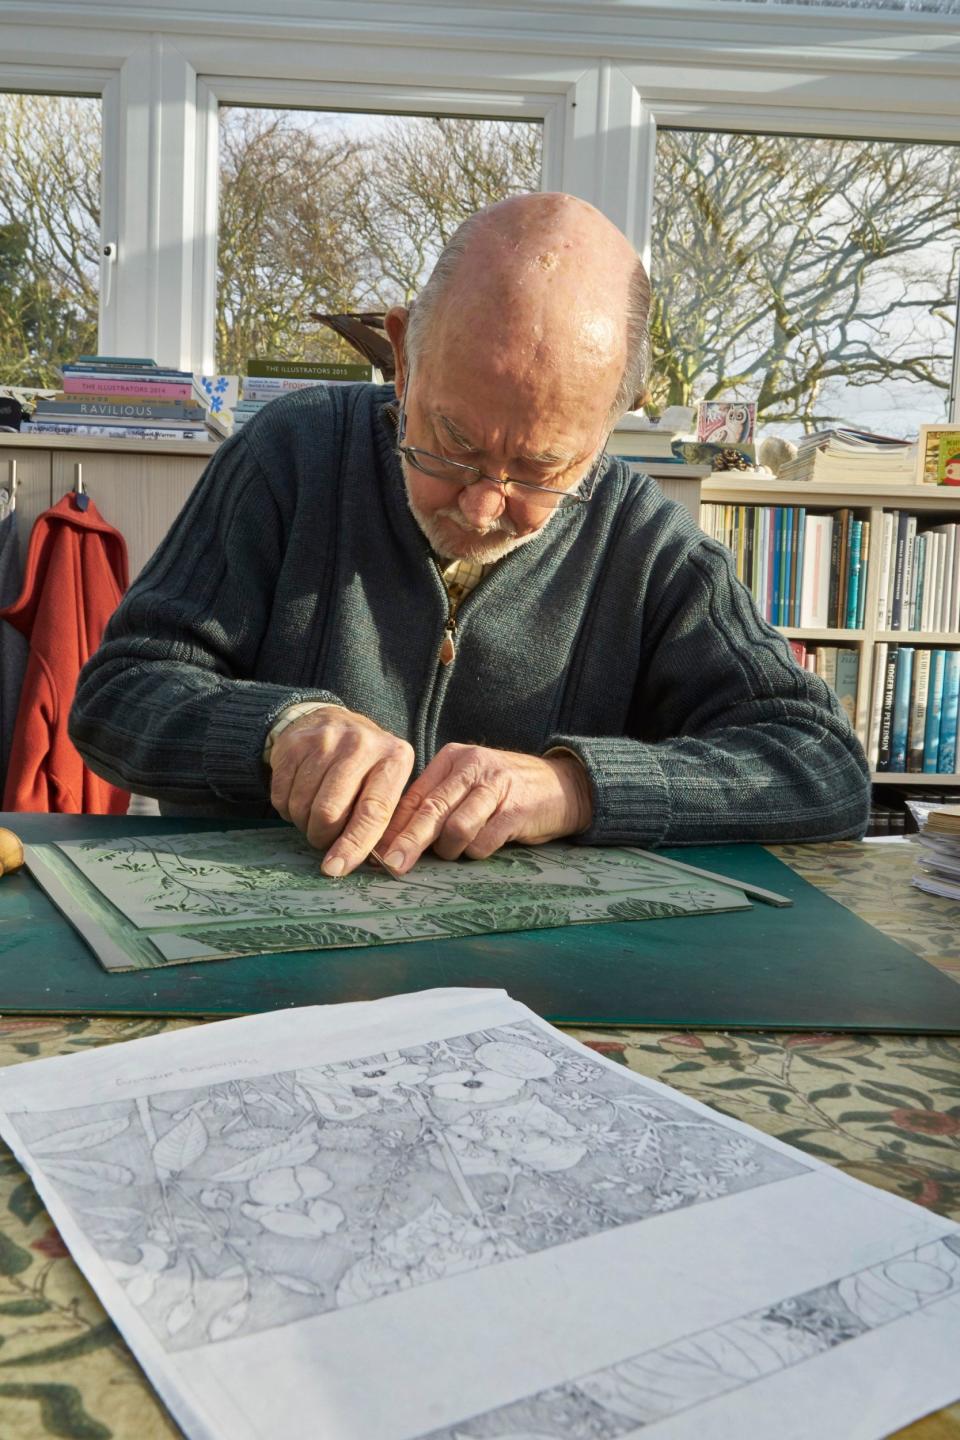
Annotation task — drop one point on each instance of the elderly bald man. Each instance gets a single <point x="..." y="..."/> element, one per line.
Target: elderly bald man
<point x="461" y="591"/>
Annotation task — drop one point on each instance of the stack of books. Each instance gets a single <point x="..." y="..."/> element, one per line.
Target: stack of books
<point x="121" y="397"/>
<point x="919" y="575"/>
<point x="913" y="713"/>
<point x="658" y="440"/>
<point x="938" y="857"/>
<point x="842" y="456"/>
<point x="267" y="380"/>
<point x="803" y="570"/>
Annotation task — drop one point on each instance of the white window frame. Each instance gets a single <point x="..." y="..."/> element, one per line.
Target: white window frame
<point x="601" y="74"/>
<point x="214" y="91"/>
<point x="101" y="85"/>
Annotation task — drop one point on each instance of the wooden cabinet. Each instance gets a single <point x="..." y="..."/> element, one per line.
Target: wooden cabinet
<point x="139" y="487"/>
<point x="30" y="469"/>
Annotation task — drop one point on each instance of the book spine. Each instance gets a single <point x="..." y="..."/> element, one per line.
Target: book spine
<point x="777" y="563"/>
<point x="808" y="582"/>
<point x="919" y="578"/>
<point x="909" y="555"/>
<point x="840" y="612"/>
<point x="941" y="543"/>
<point x="931" y="736"/>
<point x="886" y="546"/>
<point x="876" y="705"/>
<point x="118" y="432"/>
<point x="864" y="574"/>
<point x="949" y="710"/>
<point x="126" y="411"/>
<point x="853" y="575"/>
<point x="954" y="624"/>
<point x="918" y="712"/>
<point x="308" y="370"/>
<point x="901" y="710"/>
<point x="896" y="614"/>
<point x="886" y="714"/>
<point x="799" y="532"/>
<point x="784" y="589"/>
<point x="140" y="389"/>
<point x="827" y="665"/>
<point x="848" y="671"/>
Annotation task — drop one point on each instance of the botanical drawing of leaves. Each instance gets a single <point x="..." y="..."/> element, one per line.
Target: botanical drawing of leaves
<point x="297" y="1284"/>
<point x="255" y="1137"/>
<point x="82" y="1137"/>
<point x="180" y="1315"/>
<point x="228" y="1322"/>
<point x="90" y="1175"/>
<point x="182" y="1145"/>
<point x="299" y="1147"/>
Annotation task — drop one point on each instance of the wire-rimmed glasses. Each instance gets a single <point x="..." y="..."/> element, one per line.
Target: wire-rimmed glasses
<point x="438" y="467"/>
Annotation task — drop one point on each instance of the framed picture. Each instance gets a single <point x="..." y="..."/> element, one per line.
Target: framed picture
<point x="938" y="455"/>
<point x="723" y="422"/>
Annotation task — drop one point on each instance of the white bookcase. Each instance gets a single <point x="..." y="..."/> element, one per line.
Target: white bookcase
<point x="868" y="502"/>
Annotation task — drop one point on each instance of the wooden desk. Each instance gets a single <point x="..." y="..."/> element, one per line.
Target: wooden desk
<point x="885" y="1108"/>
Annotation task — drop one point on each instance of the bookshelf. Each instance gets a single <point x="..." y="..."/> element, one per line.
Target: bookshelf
<point x="869" y="502"/>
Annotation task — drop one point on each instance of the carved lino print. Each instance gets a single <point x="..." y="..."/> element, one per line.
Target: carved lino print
<point x="143" y="901"/>
<point x="254" y="1203"/>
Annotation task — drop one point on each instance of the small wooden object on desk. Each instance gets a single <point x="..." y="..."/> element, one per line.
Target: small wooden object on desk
<point x="11" y="851"/>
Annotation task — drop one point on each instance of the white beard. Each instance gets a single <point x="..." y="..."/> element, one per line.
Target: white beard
<point x="484" y="549"/>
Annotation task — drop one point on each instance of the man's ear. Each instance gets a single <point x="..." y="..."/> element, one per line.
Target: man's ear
<point x="395" y="323"/>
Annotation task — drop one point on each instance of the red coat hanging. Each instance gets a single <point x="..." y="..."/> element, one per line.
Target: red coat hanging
<point x="76" y="573"/>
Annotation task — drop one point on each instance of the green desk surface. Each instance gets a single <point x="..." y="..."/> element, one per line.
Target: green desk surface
<point x="815" y="966"/>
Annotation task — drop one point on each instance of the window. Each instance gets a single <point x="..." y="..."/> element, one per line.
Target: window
<point x="333" y="211"/>
<point x="49" y="234"/>
<point x="815" y="276"/>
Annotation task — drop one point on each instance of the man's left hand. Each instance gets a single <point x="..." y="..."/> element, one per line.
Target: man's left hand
<point x="471" y="800"/>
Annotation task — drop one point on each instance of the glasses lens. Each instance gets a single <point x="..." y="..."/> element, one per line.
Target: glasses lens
<point x="436" y="466"/>
<point x="538" y="496"/>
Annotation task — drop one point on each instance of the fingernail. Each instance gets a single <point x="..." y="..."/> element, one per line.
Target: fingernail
<point x="333" y="867"/>
<point x="396" y="859"/>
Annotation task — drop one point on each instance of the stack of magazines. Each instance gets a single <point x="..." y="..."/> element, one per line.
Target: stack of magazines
<point x="938" y="858"/>
<point x="844" y="455"/>
<point x="122" y="397"/>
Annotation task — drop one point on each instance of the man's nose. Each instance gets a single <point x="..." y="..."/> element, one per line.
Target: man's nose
<point x="482" y="502"/>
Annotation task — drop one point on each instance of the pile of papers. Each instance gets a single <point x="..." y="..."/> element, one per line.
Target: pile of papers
<point x="434" y="1217"/>
<point x="844" y="455"/>
<point x="938" y="859"/>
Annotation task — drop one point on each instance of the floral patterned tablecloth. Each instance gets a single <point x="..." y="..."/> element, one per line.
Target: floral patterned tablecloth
<point x="884" y="1108"/>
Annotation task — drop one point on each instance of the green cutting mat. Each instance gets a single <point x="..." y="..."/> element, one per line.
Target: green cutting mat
<point x="815" y="966"/>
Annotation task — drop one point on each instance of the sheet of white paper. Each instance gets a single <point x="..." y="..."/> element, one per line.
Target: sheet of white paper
<point x="435" y="1215"/>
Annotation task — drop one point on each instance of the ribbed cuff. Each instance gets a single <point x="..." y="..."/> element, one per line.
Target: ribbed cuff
<point x="631" y="801"/>
<point x="236" y="730"/>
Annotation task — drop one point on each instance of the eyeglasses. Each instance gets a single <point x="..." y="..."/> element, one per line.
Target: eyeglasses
<point x="438" y="467"/>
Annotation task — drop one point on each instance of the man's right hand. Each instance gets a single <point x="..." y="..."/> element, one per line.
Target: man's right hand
<point x="338" y="777"/>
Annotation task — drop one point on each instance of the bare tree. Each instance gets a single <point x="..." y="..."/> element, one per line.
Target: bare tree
<point x="49" y="233"/>
<point x="422" y="177"/>
<point x="287" y="243"/>
<point x="783" y="266"/>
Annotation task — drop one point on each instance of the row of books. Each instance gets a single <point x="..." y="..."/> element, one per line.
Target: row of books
<point x="838" y="665"/>
<point x="803" y="570"/>
<point x="126" y="398"/>
<point x="919" y="575"/>
<point x="913" y="713"/>
<point x="844" y="455"/>
<point x="267" y="380"/>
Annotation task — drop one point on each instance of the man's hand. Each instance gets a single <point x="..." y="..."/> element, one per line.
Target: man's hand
<point x="338" y="777"/>
<point x="471" y="800"/>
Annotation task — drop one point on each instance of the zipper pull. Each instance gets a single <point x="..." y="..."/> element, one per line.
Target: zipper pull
<point x="448" y="649"/>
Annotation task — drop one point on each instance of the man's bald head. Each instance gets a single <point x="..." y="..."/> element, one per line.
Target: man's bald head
<point x="547" y="284"/>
